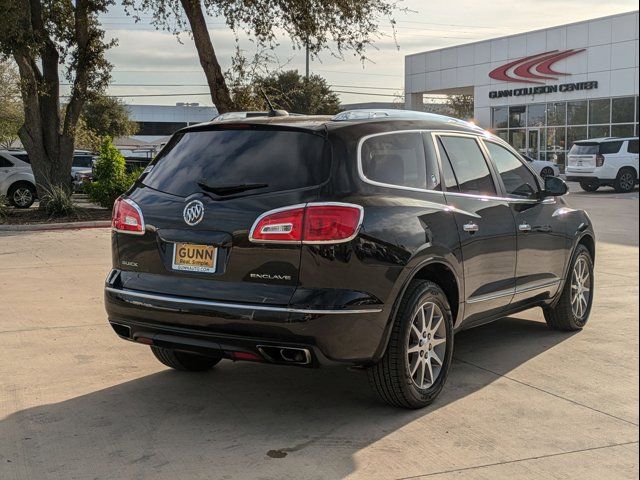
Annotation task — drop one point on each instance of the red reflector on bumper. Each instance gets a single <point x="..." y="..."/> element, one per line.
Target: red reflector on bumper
<point x="144" y="340"/>
<point x="245" y="356"/>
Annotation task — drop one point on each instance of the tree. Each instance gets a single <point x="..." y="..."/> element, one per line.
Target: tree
<point x="11" y="116"/>
<point x="44" y="36"/>
<point x="461" y="106"/>
<point x="350" y="25"/>
<point x="108" y="117"/>
<point x="295" y="93"/>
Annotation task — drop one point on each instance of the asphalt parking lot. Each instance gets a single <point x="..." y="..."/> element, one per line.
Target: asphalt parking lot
<point x="521" y="401"/>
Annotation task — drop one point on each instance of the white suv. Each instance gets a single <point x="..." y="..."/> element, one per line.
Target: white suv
<point x="16" y="180"/>
<point x="604" y="161"/>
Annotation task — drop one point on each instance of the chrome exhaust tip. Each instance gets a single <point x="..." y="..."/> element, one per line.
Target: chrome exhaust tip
<point x="290" y="355"/>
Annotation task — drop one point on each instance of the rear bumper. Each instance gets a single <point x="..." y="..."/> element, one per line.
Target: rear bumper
<point x="586" y="177"/>
<point x="352" y="334"/>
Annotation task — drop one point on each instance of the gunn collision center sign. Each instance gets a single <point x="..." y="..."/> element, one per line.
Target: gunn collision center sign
<point x="536" y="69"/>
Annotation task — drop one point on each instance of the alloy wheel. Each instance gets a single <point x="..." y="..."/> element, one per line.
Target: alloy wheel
<point x="627" y="181"/>
<point x="426" y="345"/>
<point x="580" y="288"/>
<point x="22" y="197"/>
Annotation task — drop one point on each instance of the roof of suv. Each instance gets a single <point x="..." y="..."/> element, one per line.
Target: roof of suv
<point x="349" y="118"/>
<point x="605" y="139"/>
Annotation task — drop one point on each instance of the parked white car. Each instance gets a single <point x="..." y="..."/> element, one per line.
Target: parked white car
<point x="16" y="180"/>
<point x="604" y="161"/>
<point x="543" y="167"/>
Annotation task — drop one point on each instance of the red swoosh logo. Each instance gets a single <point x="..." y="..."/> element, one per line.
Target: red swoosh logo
<point x="524" y="68"/>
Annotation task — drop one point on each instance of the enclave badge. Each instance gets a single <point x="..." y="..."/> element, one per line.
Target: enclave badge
<point x="193" y="212"/>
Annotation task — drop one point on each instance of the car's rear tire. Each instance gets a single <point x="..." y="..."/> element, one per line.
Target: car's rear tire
<point x="416" y="364"/>
<point x="547" y="172"/>
<point x="572" y="310"/>
<point x="21" y="194"/>
<point x="189" y="362"/>
<point x="625" y="180"/>
<point x="589" y="185"/>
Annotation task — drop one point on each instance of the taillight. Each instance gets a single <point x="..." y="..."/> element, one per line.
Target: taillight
<point x="310" y="223"/>
<point x="127" y="217"/>
<point x="599" y="160"/>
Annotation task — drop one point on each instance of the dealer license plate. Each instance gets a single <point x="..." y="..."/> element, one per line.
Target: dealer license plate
<point x="194" y="258"/>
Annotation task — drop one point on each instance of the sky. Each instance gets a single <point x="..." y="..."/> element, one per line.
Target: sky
<point x="150" y="62"/>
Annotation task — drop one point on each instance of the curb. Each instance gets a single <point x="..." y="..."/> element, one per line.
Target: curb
<point x="41" y="227"/>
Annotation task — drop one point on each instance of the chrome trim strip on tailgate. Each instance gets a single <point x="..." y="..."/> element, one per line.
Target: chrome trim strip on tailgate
<point x="210" y="303"/>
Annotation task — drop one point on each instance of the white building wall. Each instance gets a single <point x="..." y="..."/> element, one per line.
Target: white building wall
<point x="611" y="59"/>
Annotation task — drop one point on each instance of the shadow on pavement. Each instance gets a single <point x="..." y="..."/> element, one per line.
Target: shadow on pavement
<point x="241" y="420"/>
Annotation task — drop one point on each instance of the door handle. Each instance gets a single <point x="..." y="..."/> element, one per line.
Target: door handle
<point x="471" y="227"/>
<point x="524" y="227"/>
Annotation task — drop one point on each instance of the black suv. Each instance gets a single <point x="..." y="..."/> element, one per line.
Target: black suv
<point x="366" y="239"/>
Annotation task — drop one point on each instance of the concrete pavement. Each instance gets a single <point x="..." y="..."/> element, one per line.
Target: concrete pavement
<point x="521" y="401"/>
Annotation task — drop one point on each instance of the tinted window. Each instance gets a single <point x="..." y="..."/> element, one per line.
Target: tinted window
<point x="468" y="165"/>
<point x="395" y="159"/>
<point x="22" y="156"/>
<point x="517" y="179"/>
<point x="584" y="149"/>
<point x="449" y="180"/>
<point x="282" y="160"/>
<point x="83" y="161"/>
<point x="610" y="147"/>
<point x="633" y="146"/>
<point x="4" y="163"/>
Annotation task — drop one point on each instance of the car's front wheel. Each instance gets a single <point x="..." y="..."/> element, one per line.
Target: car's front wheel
<point x="184" y="361"/>
<point x="22" y="194"/>
<point x="572" y="310"/>
<point x="415" y="366"/>
<point x="589" y="185"/>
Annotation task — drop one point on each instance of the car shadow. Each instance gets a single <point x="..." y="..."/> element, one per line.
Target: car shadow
<point x="242" y="420"/>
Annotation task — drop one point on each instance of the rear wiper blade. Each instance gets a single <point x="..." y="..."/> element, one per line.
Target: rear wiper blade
<point x="223" y="190"/>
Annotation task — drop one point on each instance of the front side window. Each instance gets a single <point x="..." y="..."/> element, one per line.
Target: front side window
<point x="518" y="180"/>
<point x="468" y="165"/>
<point x="397" y="159"/>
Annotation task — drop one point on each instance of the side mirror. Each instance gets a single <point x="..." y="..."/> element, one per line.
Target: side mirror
<point x="554" y="187"/>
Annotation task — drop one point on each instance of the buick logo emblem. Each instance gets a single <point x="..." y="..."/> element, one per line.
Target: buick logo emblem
<point x="193" y="212"/>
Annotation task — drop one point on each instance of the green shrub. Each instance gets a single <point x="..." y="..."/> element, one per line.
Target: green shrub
<point x="110" y="177"/>
<point x="56" y="201"/>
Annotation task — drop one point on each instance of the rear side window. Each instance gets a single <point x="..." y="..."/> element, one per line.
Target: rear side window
<point x="398" y="159"/>
<point x="4" y="163"/>
<point x="518" y="180"/>
<point x="610" y="147"/>
<point x="276" y="160"/>
<point x="633" y="146"/>
<point x="467" y="164"/>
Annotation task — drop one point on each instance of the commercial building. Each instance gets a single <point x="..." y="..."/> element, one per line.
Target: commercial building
<point x="541" y="90"/>
<point x="163" y="120"/>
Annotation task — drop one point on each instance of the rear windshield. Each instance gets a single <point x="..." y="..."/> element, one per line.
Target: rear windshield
<point x="83" y="161"/>
<point x="595" y="148"/>
<point x="275" y="159"/>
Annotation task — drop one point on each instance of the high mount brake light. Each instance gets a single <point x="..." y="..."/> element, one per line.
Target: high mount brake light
<point x="127" y="217"/>
<point x="310" y="223"/>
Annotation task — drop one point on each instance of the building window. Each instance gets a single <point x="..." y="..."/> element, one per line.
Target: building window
<point x="622" y="110"/>
<point x="577" y="113"/>
<point x="622" y="130"/>
<point x="599" y="111"/>
<point x="517" y="116"/>
<point x="518" y="139"/>
<point x="574" y="134"/>
<point x="598" y="131"/>
<point x="536" y="115"/>
<point x="557" y="113"/>
<point x="500" y="117"/>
